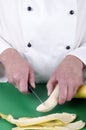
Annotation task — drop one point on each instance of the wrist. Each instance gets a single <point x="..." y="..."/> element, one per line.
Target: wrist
<point x="76" y="60"/>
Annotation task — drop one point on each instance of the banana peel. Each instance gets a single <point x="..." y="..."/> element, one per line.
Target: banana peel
<point x="78" y="125"/>
<point x="57" y="118"/>
<point x="57" y="121"/>
<point x="81" y="93"/>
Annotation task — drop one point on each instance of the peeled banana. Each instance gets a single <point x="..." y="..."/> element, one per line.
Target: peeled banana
<point x="52" y="101"/>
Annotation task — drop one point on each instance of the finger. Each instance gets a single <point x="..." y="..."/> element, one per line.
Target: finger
<point x="31" y="78"/>
<point x="62" y="92"/>
<point x="51" y="85"/>
<point x="71" y="91"/>
<point x="20" y="82"/>
<point x="22" y="86"/>
<point x="13" y="82"/>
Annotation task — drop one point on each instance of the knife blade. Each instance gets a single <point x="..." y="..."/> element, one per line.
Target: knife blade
<point x="31" y="90"/>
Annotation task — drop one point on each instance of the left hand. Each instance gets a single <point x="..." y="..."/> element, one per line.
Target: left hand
<point x="69" y="76"/>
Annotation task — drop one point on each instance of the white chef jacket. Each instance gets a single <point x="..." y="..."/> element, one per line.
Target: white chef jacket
<point x="43" y="32"/>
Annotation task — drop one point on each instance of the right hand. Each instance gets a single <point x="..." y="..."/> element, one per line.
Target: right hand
<point x="18" y="70"/>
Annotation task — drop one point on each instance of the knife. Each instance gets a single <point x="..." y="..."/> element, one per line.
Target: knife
<point x="31" y="90"/>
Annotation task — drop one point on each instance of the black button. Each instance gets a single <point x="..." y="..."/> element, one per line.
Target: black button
<point x="29" y="44"/>
<point x="67" y="47"/>
<point x="29" y="8"/>
<point x="71" y="12"/>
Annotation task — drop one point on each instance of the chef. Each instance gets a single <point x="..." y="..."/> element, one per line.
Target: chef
<point x="43" y="41"/>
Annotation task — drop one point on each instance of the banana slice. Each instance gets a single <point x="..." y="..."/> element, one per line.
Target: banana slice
<point x="51" y="102"/>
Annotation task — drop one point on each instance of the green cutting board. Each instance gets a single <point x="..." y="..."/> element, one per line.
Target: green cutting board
<point x="22" y="105"/>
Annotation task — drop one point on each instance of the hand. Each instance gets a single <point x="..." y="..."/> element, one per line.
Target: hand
<point x="69" y="76"/>
<point x="18" y="71"/>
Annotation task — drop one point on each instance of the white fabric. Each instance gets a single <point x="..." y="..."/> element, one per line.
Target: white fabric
<point x="49" y="27"/>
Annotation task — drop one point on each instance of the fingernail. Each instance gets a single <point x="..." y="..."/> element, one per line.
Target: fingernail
<point x="48" y="93"/>
<point x="33" y="85"/>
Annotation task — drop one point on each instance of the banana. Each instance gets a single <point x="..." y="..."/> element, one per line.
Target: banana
<point x="81" y="93"/>
<point x="52" y="100"/>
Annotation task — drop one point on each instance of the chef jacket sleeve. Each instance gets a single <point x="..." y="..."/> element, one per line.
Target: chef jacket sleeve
<point x="4" y="39"/>
<point x="80" y="53"/>
<point x="4" y="44"/>
<point x="4" y="36"/>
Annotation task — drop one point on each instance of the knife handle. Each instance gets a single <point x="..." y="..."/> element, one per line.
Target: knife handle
<point x="30" y="88"/>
